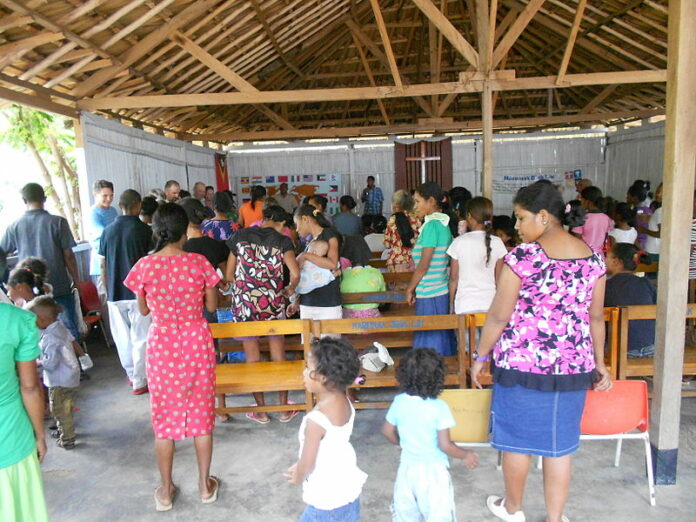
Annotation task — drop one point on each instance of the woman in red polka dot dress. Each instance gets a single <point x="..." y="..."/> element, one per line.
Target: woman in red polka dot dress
<point x="171" y="285"/>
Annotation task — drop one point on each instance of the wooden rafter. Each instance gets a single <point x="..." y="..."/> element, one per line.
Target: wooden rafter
<point x="515" y="31"/>
<point x="370" y="76"/>
<point x="386" y="43"/>
<point x="450" y="32"/>
<point x="571" y="41"/>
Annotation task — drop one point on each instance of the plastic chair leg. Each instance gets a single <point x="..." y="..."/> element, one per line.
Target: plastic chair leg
<point x="617" y="457"/>
<point x="649" y="467"/>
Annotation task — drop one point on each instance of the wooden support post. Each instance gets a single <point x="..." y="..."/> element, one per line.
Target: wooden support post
<point x="678" y="190"/>
<point x="487" y="121"/>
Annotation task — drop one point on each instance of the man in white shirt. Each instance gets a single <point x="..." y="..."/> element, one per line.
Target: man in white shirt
<point x="288" y="201"/>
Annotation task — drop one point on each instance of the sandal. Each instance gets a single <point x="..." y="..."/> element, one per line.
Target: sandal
<point x="223" y="418"/>
<point x="291" y="414"/>
<point x="214" y="495"/>
<point x="67" y="444"/>
<point x="255" y="417"/>
<point x="161" y="506"/>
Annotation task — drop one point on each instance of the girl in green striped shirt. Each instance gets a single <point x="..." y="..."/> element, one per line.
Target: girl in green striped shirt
<point x="428" y="288"/>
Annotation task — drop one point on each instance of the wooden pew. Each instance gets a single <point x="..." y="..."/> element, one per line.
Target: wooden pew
<point x="397" y="277"/>
<point x="263" y="376"/>
<point x="456" y="367"/>
<point x="611" y="317"/>
<point x="652" y="268"/>
<point x="378" y="263"/>
<point x="644" y="367"/>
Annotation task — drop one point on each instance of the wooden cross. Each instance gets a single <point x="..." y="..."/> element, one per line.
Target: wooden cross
<point x="423" y="158"/>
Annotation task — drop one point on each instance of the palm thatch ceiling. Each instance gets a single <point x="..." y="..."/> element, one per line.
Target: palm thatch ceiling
<point x="223" y="70"/>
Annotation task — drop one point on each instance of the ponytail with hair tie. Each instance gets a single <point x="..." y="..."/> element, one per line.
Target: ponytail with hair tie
<point x="638" y="255"/>
<point x="316" y="212"/>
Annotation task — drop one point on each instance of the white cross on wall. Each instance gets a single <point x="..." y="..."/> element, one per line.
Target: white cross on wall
<point x="423" y="158"/>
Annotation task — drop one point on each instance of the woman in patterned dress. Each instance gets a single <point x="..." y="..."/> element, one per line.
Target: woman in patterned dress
<point x="172" y="285"/>
<point x="255" y="271"/>
<point x="545" y="329"/>
<point x="401" y="233"/>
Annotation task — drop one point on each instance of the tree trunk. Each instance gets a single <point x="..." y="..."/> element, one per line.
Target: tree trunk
<point x="61" y="175"/>
<point x="47" y="177"/>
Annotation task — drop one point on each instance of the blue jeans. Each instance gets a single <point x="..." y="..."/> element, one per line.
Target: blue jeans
<point x="69" y="315"/>
<point x="348" y="513"/>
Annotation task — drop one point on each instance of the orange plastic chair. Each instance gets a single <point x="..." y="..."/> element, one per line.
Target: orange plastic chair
<point x="91" y="307"/>
<point x="620" y="413"/>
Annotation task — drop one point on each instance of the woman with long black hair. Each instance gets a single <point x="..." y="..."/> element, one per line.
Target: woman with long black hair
<point x="401" y="233"/>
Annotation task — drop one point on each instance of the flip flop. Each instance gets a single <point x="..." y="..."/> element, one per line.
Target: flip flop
<point x="293" y="414"/>
<point x="253" y="416"/>
<point x="214" y="495"/>
<point x="159" y="505"/>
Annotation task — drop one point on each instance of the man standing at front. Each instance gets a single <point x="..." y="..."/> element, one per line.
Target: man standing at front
<point x="40" y="234"/>
<point x="372" y="197"/>
<point x="123" y="242"/>
<point x="101" y="215"/>
<point x="286" y="200"/>
<point x="171" y="191"/>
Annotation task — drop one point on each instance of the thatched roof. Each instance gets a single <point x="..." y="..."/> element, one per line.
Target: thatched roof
<point x="363" y="66"/>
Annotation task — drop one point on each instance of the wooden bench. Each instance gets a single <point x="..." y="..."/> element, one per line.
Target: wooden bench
<point x="456" y="367"/>
<point x="644" y="367"/>
<point x="263" y="376"/>
<point x="611" y="317"/>
<point x="378" y="263"/>
<point x="652" y="268"/>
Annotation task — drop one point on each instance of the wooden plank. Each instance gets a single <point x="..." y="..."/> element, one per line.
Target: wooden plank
<point x="386" y="43"/>
<point x="678" y="190"/>
<point x="452" y="35"/>
<point x="364" y="93"/>
<point x="388" y="324"/>
<point x="30" y="42"/>
<point x="487" y="120"/>
<point x="515" y="31"/>
<point x="348" y="132"/>
<point x="373" y="297"/>
<point x="571" y="41"/>
<point x="39" y="89"/>
<point x="145" y="45"/>
<point x="370" y="76"/>
<point x="38" y="102"/>
<point x="597" y="100"/>
<point x="255" y="328"/>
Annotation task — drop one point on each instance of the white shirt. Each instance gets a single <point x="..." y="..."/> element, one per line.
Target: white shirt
<point x="336" y="479"/>
<point x="288" y="202"/>
<point x="652" y="244"/>
<point x="476" y="284"/>
<point x="624" y="236"/>
<point x="58" y="359"/>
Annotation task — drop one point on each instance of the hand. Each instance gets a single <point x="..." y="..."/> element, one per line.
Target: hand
<point x="604" y="383"/>
<point x="291" y="474"/>
<point x="410" y="296"/>
<point x="41" y="448"/>
<point x="288" y="291"/>
<point x="476" y="368"/>
<point x="471" y="460"/>
<point x="293" y="308"/>
<point x="224" y="285"/>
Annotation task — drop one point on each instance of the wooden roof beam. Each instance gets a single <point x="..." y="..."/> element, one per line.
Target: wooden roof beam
<point x="450" y="32"/>
<point x="597" y="100"/>
<point x="515" y="31"/>
<point x="38" y="102"/>
<point x="471" y="84"/>
<point x="370" y="76"/>
<point x="145" y="45"/>
<point x="391" y="61"/>
<point x="571" y="41"/>
<point x="269" y="33"/>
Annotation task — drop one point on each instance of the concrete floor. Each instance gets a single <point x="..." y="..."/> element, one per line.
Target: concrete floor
<point x="111" y="473"/>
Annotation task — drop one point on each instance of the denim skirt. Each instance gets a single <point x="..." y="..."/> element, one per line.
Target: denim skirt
<point x="533" y="422"/>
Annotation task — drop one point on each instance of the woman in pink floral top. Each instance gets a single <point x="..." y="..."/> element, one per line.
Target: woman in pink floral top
<point x="545" y="329"/>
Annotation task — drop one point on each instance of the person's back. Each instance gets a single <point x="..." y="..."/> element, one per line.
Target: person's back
<point x="595" y="230"/>
<point x="40" y="234"/>
<point x="347" y="224"/>
<point x="123" y="243"/>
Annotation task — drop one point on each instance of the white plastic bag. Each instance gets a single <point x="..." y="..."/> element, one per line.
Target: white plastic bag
<point x="376" y="361"/>
<point x="86" y="362"/>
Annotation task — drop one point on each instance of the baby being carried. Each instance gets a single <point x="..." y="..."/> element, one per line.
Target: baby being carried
<point x="312" y="276"/>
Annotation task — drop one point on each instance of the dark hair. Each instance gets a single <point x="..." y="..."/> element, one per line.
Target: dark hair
<point x="26" y="276"/>
<point x="209" y="187"/>
<point x="379" y="224"/>
<point x="257" y="192"/>
<point x="171" y="183"/>
<point x="149" y="206"/>
<point x="403" y="227"/>
<point x="624" y="213"/>
<point x="630" y="256"/>
<point x="33" y="193"/>
<point x="507" y="225"/>
<point x="184" y="194"/>
<point x="222" y="202"/>
<point x="544" y="196"/>
<point x="639" y="189"/>
<point x="370" y="178"/>
<point x="459" y="197"/>
<point x="356" y="250"/>
<point x="36" y="265"/>
<point x="314" y="213"/>
<point x="421" y="372"/>
<point x="348" y="202"/>
<point x="336" y="360"/>
<point x="102" y="184"/>
<point x="431" y="190"/>
<point x="168" y="224"/>
<point x="129" y="199"/>
<point x="195" y="211"/>
<point x="277" y="214"/>
<point x="320" y="200"/>
<point x="45" y="302"/>
<point x="593" y="195"/>
<point x="481" y="210"/>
